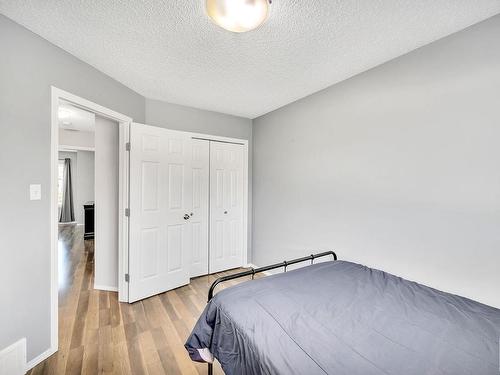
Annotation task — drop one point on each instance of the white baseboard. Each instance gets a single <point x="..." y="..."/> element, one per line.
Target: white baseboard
<point x="13" y="358"/>
<point x="39" y="358"/>
<point x="106" y="287"/>
<point x="251" y="265"/>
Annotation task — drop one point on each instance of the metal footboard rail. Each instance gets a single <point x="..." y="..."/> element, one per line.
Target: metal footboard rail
<point x="253" y="271"/>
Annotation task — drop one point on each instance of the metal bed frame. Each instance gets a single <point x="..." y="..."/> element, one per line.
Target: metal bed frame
<point x="252" y="271"/>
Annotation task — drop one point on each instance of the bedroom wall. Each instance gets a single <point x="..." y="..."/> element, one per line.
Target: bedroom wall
<point x="179" y="117"/>
<point x="29" y="65"/>
<point x="396" y="168"/>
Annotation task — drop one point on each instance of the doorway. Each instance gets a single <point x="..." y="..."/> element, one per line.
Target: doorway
<point x="86" y="198"/>
<point x="75" y="194"/>
<point x="221" y="226"/>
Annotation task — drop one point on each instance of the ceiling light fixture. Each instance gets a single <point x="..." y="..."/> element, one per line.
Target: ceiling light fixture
<point x="238" y="16"/>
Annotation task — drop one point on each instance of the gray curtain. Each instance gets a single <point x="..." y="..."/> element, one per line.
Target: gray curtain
<point x="67" y="209"/>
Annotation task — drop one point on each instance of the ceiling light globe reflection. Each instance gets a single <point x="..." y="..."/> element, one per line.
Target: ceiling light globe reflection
<point x="238" y="16"/>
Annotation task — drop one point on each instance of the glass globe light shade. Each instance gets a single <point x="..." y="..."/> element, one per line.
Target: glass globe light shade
<point x="238" y="15"/>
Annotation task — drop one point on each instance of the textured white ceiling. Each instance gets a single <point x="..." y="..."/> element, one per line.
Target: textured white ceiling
<point x="170" y="50"/>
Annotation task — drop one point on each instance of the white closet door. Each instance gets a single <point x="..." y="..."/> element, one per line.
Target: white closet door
<point x="160" y="207"/>
<point x="199" y="219"/>
<point x="226" y="206"/>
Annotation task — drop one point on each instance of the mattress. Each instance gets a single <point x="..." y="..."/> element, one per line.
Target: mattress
<point x="344" y="318"/>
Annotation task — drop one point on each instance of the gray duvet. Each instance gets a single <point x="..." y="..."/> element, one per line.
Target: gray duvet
<point x="344" y="318"/>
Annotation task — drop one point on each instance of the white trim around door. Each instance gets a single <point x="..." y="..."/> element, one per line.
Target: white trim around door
<point x="58" y="95"/>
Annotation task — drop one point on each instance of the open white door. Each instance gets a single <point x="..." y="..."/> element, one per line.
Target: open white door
<point x="161" y="203"/>
<point x="226" y="206"/>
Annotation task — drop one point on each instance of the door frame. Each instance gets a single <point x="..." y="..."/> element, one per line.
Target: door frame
<point x="123" y="251"/>
<point x="58" y="95"/>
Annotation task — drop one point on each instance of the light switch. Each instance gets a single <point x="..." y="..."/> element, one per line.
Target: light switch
<point x="35" y="192"/>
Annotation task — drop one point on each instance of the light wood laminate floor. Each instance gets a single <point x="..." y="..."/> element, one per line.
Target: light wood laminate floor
<point x="99" y="335"/>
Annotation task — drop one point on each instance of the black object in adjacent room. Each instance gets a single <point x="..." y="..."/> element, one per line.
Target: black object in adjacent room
<point x="89" y="220"/>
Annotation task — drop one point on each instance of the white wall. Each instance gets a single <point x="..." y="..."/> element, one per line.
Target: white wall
<point x="397" y="168"/>
<point x="76" y="138"/>
<point x="84" y="182"/>
<point x="106" y="204"/>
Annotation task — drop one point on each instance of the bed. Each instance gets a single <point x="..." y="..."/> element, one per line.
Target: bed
<point x="339" y="317"/>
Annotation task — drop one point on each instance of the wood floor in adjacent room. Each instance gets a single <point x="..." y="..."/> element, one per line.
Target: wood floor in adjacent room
<point x="99" y="335"/>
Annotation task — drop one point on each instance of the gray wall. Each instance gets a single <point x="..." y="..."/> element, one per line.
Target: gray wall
<point x="189" y="119"/>
<point x="29" y="65"/>
<point x="397" y="168"/>
<point x="179" y="117"/>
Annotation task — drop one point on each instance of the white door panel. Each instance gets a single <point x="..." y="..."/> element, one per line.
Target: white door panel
<point x="199" y="219"/>
<point x="160" y="197"/>
<point x="226" y="206"/>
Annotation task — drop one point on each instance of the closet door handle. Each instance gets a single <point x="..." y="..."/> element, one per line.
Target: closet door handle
<point x="225" y="212"/>
<point x="186" y="217"/>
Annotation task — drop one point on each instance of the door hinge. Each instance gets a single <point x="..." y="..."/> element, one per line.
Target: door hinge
<point x="127" y="146"/>
<point x="127" y="277"/>
<point x="127" y="212"/>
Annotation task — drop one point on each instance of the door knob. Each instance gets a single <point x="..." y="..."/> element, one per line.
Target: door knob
<point x="186" y="217"/>
<point x="225" y="212"/>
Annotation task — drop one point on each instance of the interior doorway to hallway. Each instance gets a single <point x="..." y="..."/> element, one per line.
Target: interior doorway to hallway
<point x="85" y="207"/>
